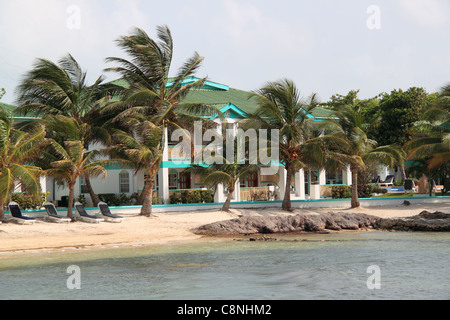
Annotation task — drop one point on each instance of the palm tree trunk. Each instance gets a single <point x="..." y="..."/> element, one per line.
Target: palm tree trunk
<point x="94" y="197"/>
<point x="148" y="200"/>
<point x="402" y="171"/>
<point x="226" y="205"/>
<point x="286" y="206"/>
<point x="355" y="199"/>
<point x="71" y="198"/>
<point x="2" y="213"/>
<point x="141" y="198"/>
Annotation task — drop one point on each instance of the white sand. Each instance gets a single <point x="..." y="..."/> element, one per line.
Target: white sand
<point x="160" y="229"/>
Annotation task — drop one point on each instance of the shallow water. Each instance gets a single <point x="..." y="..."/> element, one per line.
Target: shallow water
<point x="334" y="266"/>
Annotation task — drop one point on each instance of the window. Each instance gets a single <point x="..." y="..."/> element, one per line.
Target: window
<point x="314" y="177"/>
<point x="252" y="181"/>
<point x="124" y="182"/>
<point x="83" y="185"/>
<point x="173" y="180"/>
<point x="334" y="178"/>
<point x="185" y="180"/>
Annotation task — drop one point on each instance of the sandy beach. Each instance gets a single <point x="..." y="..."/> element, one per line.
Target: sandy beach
<point x="160" y="229"/>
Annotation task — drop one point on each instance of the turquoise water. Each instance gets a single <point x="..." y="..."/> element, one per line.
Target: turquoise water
<point x="329" y="267"/>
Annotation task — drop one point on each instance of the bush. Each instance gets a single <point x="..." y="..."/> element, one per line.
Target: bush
<point x="27" y="202"/>
<point x="365" y="190"/>
<point x="341" y="192"/>
<point x="398" y="183"/>
<point x="379" y="190"/>
<point x="116" y="200"/>
<point x="193" y="196"/>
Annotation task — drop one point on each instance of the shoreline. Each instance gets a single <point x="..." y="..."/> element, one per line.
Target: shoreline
<point x="160" y="230"/>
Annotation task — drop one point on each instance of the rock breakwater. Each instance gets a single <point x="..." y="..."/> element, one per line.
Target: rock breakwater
<point x="425" y="221"/>
<point x="287" y="224"/>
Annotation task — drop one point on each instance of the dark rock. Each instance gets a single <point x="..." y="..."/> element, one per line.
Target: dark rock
<point x="425" y="221"/>
<point x="287" y="224"/>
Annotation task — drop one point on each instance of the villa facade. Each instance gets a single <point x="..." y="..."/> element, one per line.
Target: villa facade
<point x="235" y="105"/>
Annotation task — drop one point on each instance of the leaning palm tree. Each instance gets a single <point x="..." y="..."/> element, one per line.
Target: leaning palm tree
<point x="143" y="149"/>
<point x="61" y="89"/>
<point x="151" y="91"/>
<point x="18" y="150"/>
<point x="282" y="108"/>
<point x="70" y="159"/>
<point x="218" y="169"/>
<point x="432" y="141"/>
<point x="356" y="149"/>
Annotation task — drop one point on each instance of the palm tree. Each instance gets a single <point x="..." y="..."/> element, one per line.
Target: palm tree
<point x="62" y="89"/>
<point x="70" y="159"/>
<point x="152" y="93"/>
<point x="356" y="149"/>
<point x="281" y="108"/>
<point x="219" y="170"/>
<point x="433" y="135"/>
<point x="18" y="150"/>
<point x="144" y="150"/>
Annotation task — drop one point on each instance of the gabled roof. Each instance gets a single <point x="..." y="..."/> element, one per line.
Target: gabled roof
<point x="240" y="102"/>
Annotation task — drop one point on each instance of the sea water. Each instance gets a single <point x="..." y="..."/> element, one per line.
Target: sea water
<point x="355" y="266"/>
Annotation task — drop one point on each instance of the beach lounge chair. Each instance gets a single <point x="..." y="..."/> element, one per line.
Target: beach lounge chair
<point x="375" y="181"/>
<point x="107" y="215"/>
<point x="84" y="216"/>
<point x="52" y="214"/>
<point x="446" y="188"/>
<point x="17" y="216"/>
<point x="389" y="182"/>
<point x="409" y="184"/>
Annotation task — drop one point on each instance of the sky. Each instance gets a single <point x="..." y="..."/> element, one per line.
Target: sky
<point x="326" y="47"/>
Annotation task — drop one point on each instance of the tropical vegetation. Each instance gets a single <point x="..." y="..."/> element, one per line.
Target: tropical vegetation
<point x="133" y="118"/>
<point x="17" y="151"/>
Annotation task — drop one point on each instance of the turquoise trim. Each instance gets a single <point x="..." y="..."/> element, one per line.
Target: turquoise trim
<point x="235" y="109"/>
<point x="208" y="84"/>
<point x="117" y="166"/>
<point x="248" y="202"/>
<point x="246" y="188"/>
<point x="197" y="189"/>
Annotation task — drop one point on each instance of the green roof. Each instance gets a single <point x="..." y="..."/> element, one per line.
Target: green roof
<point x="219" y="95"/>
<point x="222" y="98"/>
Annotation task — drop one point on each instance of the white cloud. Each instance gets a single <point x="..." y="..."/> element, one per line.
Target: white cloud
<point x="32" y="29"/>
<point x="426" y="13"/>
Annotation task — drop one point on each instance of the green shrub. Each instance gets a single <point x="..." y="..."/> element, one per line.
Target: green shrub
<point x="341" y="192"/>
<point x="398" y="183"/>
<point x="116" y="200"/>
<point x="365" y="190"/>
<point x="26" y="201"/>
<point x="192" y="196"/>
<point x="379" y="190"/>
